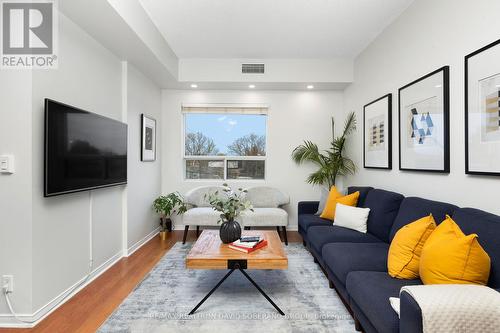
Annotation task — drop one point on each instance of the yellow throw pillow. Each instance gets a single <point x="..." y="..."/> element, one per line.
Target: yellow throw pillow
<point x="406" y="247"/>
<point x="450" y="257"/>
<point x="334" y="198"/>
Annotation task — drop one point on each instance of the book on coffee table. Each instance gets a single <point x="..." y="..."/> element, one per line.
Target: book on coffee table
<point x="245" y="248"/>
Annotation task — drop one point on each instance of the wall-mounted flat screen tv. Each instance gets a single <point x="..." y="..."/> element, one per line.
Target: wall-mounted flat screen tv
<point x="83" y="150"/>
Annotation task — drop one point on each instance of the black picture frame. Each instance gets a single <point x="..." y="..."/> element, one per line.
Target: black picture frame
<point x="148" y="130"/>
<point x="466" y="109"/>
<point x="387" y="132"/>
<point x="446" y="120"/>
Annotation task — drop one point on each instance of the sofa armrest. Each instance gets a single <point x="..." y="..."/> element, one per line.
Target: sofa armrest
<point x="410" y="320"/>
<point x="308" y="207"/>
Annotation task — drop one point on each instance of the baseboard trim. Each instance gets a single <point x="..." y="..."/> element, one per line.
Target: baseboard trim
<point x="141" y="242"/>
<point x="9" y="321"/>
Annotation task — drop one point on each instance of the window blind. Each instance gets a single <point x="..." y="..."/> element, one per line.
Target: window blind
<point x="223" y="108"/>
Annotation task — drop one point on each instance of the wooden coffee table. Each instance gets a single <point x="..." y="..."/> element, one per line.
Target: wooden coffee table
<point x="210" y="253"/>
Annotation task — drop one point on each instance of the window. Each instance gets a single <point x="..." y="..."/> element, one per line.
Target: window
<point x="225" y="142"/>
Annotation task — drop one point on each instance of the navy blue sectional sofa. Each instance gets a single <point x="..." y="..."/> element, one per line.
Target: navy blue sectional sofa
<point x="356" y="263"/>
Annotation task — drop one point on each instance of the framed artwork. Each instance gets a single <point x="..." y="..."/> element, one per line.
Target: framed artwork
<point x="148" y="139"/>
<point x="424" y="123"/>
<point x="482" y="111"/>
<point x="377" y="133"/>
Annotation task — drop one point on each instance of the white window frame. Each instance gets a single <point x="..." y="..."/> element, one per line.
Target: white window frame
<point x="220" y="109"/>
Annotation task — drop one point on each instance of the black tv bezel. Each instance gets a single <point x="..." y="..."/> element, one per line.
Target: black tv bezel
<point x="45" y="151"/>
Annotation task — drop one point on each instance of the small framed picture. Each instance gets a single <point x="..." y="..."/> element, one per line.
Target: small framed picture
<point x="482" y="111"/>
<point x="377" y="133"/>
<point x="148" y="139"/>
<point x="424" y="123"/>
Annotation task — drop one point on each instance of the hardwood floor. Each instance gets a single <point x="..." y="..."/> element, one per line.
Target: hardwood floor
<point x="88" y="309"/>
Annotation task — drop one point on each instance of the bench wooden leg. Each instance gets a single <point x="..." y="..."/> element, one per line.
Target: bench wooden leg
<point x="186" y="228"/>
<point x="284" y="235"/>
<point x="278" y="230"/>
<point x="197" y="231"/>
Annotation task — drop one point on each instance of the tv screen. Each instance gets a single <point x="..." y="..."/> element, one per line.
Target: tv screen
<point x="83" y="150"/>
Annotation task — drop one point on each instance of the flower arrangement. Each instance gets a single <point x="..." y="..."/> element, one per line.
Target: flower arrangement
<point x="231" y="205"/>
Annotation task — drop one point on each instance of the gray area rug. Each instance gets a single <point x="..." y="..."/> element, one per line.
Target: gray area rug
<point x="162" y="301"/>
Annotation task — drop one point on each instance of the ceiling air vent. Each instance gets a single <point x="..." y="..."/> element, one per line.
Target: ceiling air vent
<point x="252" y="68"/>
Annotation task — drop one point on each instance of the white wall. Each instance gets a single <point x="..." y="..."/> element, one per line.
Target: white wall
<point x="89" y="77"/>
<point x="428" y="35"/>
<point x="144" y="183"/>
<point x="15" y="190"/>
<point x="47" y="243"/>
<point x="293" y="117"/>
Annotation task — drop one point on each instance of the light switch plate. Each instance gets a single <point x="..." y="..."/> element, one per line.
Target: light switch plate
<point x="7" y="164"/>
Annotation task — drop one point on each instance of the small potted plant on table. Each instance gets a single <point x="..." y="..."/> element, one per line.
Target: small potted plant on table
<point x="231" y="204"/>
<point x="166" y="205"/>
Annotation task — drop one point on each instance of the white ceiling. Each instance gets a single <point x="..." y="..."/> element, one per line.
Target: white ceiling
<point x="271" y="28"/>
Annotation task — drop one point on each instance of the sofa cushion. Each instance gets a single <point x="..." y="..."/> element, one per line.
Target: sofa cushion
<point x="403" y="259"/>
<point x="266" y="197"/>
<point x="333" y="200"/>
<point x="487" y="227"/>
<point x="342" y="258"/>
<point x="309" y="220"/>
<point x="201" y="216"/>
<point x="321" y="235"/>
<point x="263" y="217"/>
<point x="363" y="192"/>
<point x="370" y="291"/>
<point x="384" y="206"/>
<point x="351" y="217"/>
<point x="413" y="208"/>
<point x="451" y="257"/>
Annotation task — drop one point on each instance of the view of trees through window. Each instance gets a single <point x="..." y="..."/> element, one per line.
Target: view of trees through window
<point x="225" y="146"/>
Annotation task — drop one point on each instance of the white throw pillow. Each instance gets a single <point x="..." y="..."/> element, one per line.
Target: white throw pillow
<point x="395" y="304"/>
<point x="351" y="217"/>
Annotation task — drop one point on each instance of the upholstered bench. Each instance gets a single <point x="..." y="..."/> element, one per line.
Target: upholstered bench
<point x="267" y="204"/>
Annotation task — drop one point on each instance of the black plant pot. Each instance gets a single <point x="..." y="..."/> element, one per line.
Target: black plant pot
<point x="166" y="223"/>
<point x="229" y="232"/>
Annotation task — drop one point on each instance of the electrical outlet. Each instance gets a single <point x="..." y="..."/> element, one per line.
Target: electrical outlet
<point x="8" y="283"/>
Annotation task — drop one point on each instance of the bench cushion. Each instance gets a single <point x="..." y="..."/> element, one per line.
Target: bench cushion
<point x="384" y="206"/>
<point x="342" y="258"/>
<point x="198" y="196"/>
<point x="370" y="291"/>
<point x="321" y="235"/>
<point x="266" y="197"/>
<point x="262" y="217"/>
<point x="201" y="216"/>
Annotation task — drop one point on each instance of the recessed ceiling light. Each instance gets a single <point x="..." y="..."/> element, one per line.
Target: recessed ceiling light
<point x="251" y="86"/>
<point x="194" y="85"/>
<point x="438" y="86"/>
<point x="310" y="86"/>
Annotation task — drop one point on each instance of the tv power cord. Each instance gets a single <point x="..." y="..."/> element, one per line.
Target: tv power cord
<point x="6" y="293"/>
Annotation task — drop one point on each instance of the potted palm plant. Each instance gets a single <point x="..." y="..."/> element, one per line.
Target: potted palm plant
<point x="231" y="204"/>
<point x="332" y="162"/>
<point x="166" y="205"/>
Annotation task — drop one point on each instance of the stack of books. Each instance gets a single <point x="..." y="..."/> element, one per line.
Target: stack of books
<point x="248" y="244"/>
